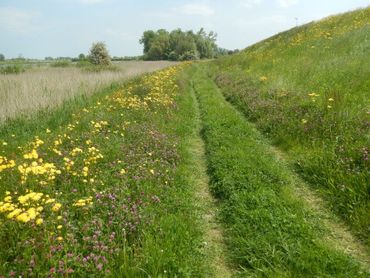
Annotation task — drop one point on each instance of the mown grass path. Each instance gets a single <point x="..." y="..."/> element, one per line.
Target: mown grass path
<point x="213" y="233"/>
<point x="269" y="230"/>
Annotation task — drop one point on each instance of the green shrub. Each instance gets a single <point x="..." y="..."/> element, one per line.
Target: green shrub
<point x="12" y="69"/>
<point x="61" y="64"/>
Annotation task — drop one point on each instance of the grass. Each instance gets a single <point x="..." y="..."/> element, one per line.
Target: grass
<point x="47" y="87"/>
<point x="268" y="230"/>
<point x="307" y="89"/>
<point x="121" y="204"/>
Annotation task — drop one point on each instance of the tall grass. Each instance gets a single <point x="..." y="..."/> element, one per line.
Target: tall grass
<point x="49" y="86"/>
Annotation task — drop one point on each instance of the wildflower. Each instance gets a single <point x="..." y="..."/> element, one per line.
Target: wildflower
<point x="23" y="217"/>
<point x="151" y="171"/>
<point x="48" y="130"/>
<point x="39" y="221"/>
<point x="263" y="78"/>
<point x="59" y="217"/>
<point x="5" y="143"/>
<point x="59" y="227"/>
<point x="56" y="207"/>
<point x="331" y="99"/>
<point x="123" y="171"/>
<point x="329" y="106"/>
<point x="304" y="121"/>
<point x="59" y="238"/>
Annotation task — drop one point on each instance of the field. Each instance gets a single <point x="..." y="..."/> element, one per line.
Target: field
<point x="252" y="165"/>
<point x="44" y="86"/>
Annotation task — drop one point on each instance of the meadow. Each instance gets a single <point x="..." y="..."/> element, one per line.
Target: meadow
<point x="251" y="165"/>
<point x="43" y="86"/>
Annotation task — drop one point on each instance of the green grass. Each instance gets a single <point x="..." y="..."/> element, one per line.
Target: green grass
<point x="307" y="89"/>
<point x="142" y="220"/>
<point x="269" y="232"/>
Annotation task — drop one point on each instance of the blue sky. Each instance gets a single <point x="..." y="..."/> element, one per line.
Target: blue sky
<point x="39" y="28"/>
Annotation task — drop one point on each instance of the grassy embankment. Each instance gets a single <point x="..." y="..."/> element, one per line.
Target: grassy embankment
<point x="269" y="231"/>
<point x="101" y="186"/>
<point x="308" y="90"/>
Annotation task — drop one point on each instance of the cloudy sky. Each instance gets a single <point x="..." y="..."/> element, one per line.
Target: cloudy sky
<point x="39" y="28"/>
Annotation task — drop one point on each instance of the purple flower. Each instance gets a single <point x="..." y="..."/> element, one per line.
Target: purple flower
<point x="99" y="267"/>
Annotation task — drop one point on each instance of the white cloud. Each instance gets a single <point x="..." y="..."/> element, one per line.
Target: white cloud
<point x="287" y="3"/>
<point x="250" y="3"/>
<point x="196" y="9"/>
<point x="15" y="20"/>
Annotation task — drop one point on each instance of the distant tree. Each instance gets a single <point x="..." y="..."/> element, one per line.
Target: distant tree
<point x="48" y="58"/>
<point x="178" y="45"/>
<point x="147" y="40"/>
<point x="2" y="57"/>
<point x="99" y="54"/>
<point x="81" y="57"/>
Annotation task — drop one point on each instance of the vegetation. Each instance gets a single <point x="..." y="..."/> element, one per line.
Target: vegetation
<point x="46" y="87"/>
<point x="12" y="69"/>
<point x="178" y="45"/>
<point x="269" y="231"/>
<point x="307" y="90"/>
<point x="2" y="57"/>
<point x="61" y="64"/>
<point x="99" y="54"/>
<point x="116" y="209"/>
<point x="173" y="173"/>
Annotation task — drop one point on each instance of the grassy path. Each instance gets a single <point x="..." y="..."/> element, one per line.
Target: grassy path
<point x="213" y="233"/>
<point x="269" y="230"/>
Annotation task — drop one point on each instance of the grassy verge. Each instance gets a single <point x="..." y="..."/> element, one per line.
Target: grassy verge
<point x="269" y="232"/>
<point x="101" y="187"/>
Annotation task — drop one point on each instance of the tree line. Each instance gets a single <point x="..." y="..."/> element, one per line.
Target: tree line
<point x="179" y="45"/>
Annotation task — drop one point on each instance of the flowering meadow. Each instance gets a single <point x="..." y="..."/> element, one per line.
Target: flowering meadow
<point x="96" y="194"/>
<point x="307" y="89"/>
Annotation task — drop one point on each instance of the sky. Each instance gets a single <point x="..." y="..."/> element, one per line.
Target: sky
<point x="41" y="28"/>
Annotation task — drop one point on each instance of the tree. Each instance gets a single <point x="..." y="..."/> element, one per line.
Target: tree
<point x="2" y="57"/>
<point x="81" y="57"/>
<point x="99" y="54"/>
<point x="147" y="39"/>
<point x="178" y="45"/>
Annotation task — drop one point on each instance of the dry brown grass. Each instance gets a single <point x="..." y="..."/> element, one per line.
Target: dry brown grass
<point x="48" y="87"/>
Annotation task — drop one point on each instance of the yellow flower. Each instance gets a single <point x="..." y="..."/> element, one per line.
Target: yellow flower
<point x="59" y="238"/>
<point x="8" y="199"/>
<point x="263" y="78"/>
<point x="331" y="99"/>
<point x="151" y="171"/>
<point x="14" y="213"/>
<point x="23" y="217"/>
<point x="304" y="121"/>
<point x="39" y="221"/>
<point x="329" y="106"/>
<point x="59" y="227"/>
<point x="59" y="217"/>
<point x="123" y="171"/>
<point x="32" y="213"/>
<point x="48" y="130"/>
<point x="56" y="207"/>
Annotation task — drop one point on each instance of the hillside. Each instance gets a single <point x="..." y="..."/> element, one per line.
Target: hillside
<point x="308" y="90"/>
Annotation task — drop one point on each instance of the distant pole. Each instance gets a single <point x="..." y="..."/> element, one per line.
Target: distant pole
<point x="296" y="21"/>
